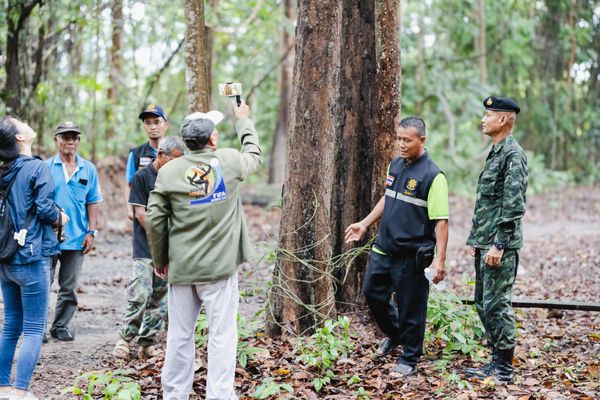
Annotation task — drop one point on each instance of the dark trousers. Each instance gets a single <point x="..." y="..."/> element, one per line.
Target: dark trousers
<point x="404" y="321"/>
<point x="68" y="276"/>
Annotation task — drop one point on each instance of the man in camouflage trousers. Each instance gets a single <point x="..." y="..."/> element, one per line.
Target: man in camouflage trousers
<point x="496" y="236"/>
<point x="146" y="308"/>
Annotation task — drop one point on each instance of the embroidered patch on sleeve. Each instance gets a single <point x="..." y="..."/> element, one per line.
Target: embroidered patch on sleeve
<point x="207" y="184"/>
<point x="389" y="181"/>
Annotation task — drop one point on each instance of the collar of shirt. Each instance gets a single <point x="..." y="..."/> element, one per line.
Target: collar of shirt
<point x="500" y="145"/>
<point x="79" y="160"/>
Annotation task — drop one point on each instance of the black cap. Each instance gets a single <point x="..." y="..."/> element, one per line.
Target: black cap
<point x="154" y="110"/>
<point x="192" y="128"/>
<point x="66" y="127"/>
<point x="501" y="104"/>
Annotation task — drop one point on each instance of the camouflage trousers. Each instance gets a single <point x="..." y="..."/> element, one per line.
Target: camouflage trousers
<point x="146" y="303"/>
<point x="493" y="297"/>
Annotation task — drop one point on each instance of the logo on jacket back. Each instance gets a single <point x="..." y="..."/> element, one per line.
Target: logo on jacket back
<point x="207" y="183"/>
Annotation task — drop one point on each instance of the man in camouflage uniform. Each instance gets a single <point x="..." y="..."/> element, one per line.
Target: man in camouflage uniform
<point x="146" y="291"/>
<point x="496" y="235"/>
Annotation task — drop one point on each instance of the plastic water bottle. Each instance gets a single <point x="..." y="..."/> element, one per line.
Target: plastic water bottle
<point x="441" y="285"/>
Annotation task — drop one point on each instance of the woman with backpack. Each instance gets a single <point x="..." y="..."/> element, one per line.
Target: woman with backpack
<point x="27" y="205"/>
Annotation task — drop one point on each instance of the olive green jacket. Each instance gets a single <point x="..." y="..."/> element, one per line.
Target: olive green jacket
<point x="195" y="221"/>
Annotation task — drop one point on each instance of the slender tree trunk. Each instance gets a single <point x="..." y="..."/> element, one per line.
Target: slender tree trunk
<point x="115" y="70"/>
<point x="17" y="15"/>
<point x="569" y="104"/>
<point x="481" y="42"/>
<point x="420" y="70"/>
<point x="210" y="44"/>
<point x="280" y="137"/>
<point x="196" y="57"/>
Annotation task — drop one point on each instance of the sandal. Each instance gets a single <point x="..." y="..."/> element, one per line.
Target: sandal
<point x="121" y="350"/>
<point x="149" y="351"/>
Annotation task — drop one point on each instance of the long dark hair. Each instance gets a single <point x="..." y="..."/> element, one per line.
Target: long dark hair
<point x="9" y="150"/>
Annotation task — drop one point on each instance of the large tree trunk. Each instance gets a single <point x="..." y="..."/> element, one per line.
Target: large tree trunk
<point x="303" y="276"/>
<point x="280" y="137"/>
<point x="355" y="157"/>
<point x="333" y="153"/>
<point x="196" y="57"/>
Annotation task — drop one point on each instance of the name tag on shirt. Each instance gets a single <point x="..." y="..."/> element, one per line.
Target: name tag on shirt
<point x="145" y="161"/>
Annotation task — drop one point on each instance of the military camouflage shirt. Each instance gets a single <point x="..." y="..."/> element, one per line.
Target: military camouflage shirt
<point x="500" y="203"/>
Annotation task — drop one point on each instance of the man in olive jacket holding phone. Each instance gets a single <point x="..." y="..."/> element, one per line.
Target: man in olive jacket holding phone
<point x="198" y="236"/>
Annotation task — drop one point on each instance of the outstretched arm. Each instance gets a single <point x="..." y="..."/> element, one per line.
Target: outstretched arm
<point x="356" y="231"/>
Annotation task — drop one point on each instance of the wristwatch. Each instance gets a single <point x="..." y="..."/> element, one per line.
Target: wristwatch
<point x="499" y="246"/>
<point x="92" y="232"/>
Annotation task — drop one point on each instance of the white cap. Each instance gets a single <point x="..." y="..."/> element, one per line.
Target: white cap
<point x="214" y="116"/>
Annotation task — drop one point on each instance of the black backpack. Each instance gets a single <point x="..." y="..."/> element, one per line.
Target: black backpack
<point x="8" y="243"/>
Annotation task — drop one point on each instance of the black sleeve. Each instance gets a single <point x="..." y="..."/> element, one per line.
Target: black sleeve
<point x="139" y="193"/>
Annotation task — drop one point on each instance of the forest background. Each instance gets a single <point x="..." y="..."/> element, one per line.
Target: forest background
<point x="98" y="62"/>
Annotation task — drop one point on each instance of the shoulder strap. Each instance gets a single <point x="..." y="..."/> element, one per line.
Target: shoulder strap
<point x="10" y="183"/>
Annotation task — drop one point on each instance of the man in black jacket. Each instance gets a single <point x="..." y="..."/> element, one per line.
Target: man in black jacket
<point x="154" y="121"/>
<point x="414" y="223"/>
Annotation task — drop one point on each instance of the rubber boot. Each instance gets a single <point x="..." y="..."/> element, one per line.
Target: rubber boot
<point x="504" y="372"/>
<point x="485" y="370"/>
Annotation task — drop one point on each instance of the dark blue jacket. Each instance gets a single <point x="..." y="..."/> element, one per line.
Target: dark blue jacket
<point x="405" y="223"/>
<point x="33" y="187"/>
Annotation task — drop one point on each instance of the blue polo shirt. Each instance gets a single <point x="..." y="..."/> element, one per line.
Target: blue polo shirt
<point x="72" y="195"/>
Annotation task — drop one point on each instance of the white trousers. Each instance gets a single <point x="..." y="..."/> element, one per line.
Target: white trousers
<point x="221" y="302"/>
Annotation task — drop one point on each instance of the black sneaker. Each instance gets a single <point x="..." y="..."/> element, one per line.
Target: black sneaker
<point x="405" y="369"/>
<point x="45" y="338"/>
<point x="385" y="347"/>
<point x="62" y="334"/>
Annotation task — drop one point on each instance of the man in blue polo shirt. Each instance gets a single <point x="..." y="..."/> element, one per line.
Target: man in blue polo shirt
<point x="154" y="121"/>
<point x="77" y="192"/>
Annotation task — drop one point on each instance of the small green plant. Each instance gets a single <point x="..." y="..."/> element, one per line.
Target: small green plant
<point x="324" y="347"/>
<point x="454" y="326"/>
<point x="269" y="387"/>
<point x="453" y="379"/>
<point x="245" y="351"/>
<point x="362" y="394"/>
<point x="109" y="385"/>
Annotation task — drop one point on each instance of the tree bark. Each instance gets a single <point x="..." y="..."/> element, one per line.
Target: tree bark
<point x="355" y="154"/>
<point x="334" y="152"/>
<point x="196" y="57"/>
<point x="280" y="137"/>
<point x="389" y="90"/>
<point x="302" y="281"/>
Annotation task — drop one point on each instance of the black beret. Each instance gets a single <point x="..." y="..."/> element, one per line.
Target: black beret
<point x="501" y="104"/>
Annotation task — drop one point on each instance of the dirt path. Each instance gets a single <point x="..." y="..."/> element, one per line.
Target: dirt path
<point x="556" y="226"/>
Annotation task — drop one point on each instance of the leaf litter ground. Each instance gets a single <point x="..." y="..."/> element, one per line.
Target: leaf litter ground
<point x="557" y="357"/>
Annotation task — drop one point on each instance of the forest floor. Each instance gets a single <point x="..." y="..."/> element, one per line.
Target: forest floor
<point x="557" y="357"/>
